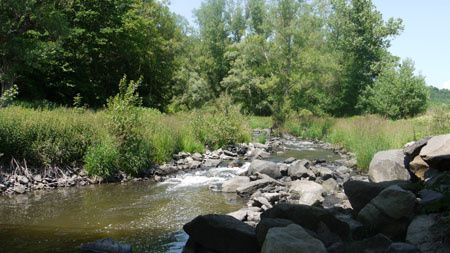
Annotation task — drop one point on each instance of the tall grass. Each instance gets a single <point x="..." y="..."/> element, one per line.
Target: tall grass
<point x="366" y="135"/>
<point x="72" y="137"/>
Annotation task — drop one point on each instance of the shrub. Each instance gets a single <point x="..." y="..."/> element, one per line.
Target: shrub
<point x="101" y="159"/>
<point x="397" y="93"/>
<point x="8" y="96"/>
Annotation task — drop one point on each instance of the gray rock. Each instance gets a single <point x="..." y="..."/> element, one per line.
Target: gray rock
<point x="414" y="149"/>
<point x="234" y="183"/>
<point x="19" y="188"/>
<point x="222" y="233"/>
<point x="291" y="239"/>
<point x="106" y="246"/>
<point x="376" y="244"/>
<point x="239" y="214"/>
<point x="263" y="227"/>
<point x="249" y="188"/>
<point x="37" y="178"/>
<point x="429" y="233"/>
<point x="197" y="157"/>
<point x="264" y="167"/>
<point x="290" y="160"/>
<point x="23" y="180"/>
<point x="263" y="202"/>
<point x="401" y="247"/>
<point x="324" y="172"/>
<point x="300" y="169"/>
<point x="389" y="212"/>
<point x="330" y="185"/>
<point x="310" y="192"/>
<point x="388" y="166"/>
<point x="429" y="197"/>
<point x="211" y="163"/>
<point x="437" y="152"/>
<point x="308" y="217"/>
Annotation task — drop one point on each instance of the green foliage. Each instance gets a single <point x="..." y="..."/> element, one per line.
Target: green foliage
<point x="8" y="96"/>
<point x="124" y="125"/>
<point x="397" y="93"/>
<point x="439" y="96"/>
<point x="101" y="158"/>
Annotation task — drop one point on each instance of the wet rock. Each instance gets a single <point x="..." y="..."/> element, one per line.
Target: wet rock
<point x="310" y="192"/>
<point x="388" y="166"/>
<point x="264" y="167"/>
<point x="308" y="217"/>
<point x="222" y="233"/>
<point x="437" y="152"/>
<point x="291" y="239"/>
<point x="401" y="247"/>
<point x="300" y="169"/>
<point x="263" y="227"/>
<point x="234" y="183"/>
<point x="106" y="246"/>
<point x="429" y="233"/>
<point x="419" y="167"/>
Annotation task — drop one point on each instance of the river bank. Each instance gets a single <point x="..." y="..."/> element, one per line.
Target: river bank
<point x="147" y="214"/>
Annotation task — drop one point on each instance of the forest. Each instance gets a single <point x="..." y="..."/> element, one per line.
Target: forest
<point x="328" y="57"/>
<point x="128" y="80"/>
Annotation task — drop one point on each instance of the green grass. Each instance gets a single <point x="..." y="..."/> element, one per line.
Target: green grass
<point x="366" y="135"/>
<point x="73" y="137"/>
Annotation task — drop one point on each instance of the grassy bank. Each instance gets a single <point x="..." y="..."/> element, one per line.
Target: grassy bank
<point x="366" y="135"/>
<point x="64" y="137"/>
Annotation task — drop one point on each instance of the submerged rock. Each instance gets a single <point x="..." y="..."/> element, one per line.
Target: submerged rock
<point x="291" y="239"/>
<point x="106" y="246"/>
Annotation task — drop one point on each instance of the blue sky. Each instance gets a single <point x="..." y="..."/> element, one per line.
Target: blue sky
<point x="426" y="38"/>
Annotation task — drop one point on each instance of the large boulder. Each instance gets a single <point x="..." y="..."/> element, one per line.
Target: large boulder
<point x="234" y="183"/>
<point x="401" y="247"/>
<point x="291" y="239"/>
<point x="437" y="152"/>
<point x="388" y="165"/>
<point x="309" y="192"/>
<point x="309" y="217"/>
<point x="264" y="167"/>
<point x="429" y="233"/>
<point x="390" y="211"/>
<point x="265" y="224"/>
<point x="360" y="193"/>
<point x="222" y="233"/>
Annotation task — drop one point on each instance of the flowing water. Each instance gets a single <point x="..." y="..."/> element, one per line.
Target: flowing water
<point x="147" y="215"/>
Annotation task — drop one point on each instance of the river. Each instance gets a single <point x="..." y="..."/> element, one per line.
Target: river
<point x="149" y="216"/>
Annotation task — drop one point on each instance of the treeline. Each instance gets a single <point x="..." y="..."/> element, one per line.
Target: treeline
<point x="439" y="96"/>
<point x="270" y="57"/>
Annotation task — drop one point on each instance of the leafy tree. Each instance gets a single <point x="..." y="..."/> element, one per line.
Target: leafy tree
<point x="397" y="93"/>
<point x="362" y="37"/>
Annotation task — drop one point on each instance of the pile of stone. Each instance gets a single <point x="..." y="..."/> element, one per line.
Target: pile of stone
<point x="304" y="206"/>
<point x="23" y="180"/>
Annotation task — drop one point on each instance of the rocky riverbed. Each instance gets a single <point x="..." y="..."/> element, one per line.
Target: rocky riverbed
<point x="402" y="205"/>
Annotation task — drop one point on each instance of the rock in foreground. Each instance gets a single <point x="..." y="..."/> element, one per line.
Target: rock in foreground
<point x="106" y="246"/>
<point x="222" y="233"/>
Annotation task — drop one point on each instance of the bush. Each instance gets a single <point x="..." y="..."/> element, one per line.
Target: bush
<point x="8" y="96"/>
<point x="101" y="159"/>
<point x="397" y="93"/>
